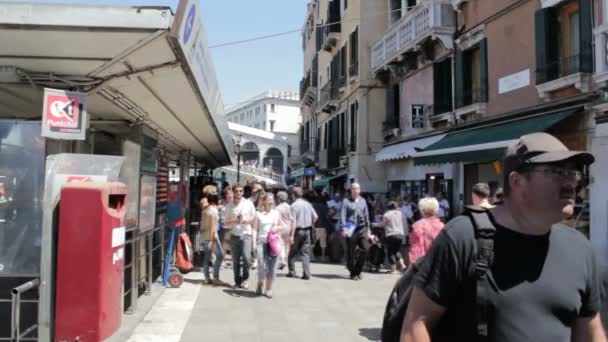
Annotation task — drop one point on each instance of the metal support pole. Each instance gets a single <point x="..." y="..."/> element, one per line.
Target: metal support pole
<point x="238" y="167"/>
<point x="150" y="267"/>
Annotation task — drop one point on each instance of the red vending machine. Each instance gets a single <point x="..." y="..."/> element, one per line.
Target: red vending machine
<point x="90" y="261"/>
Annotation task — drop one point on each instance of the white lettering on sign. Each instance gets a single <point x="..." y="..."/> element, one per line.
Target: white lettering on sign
<point x="118" y="255"/>
<point x="118" y="236"/>
<point x="514" y="81"/>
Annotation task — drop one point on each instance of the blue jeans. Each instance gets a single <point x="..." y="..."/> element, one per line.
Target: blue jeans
<point x="241" y="249"/>
<point x="266" y="263"/>
<point x="219" y="257"/>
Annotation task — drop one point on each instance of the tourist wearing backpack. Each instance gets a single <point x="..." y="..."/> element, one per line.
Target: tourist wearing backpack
<point x="508" y="273"/>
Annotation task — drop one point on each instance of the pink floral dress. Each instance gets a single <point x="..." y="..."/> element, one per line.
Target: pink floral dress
<point x="423" y="232"/>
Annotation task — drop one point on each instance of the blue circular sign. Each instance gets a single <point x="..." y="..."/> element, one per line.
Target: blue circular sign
<point x="189" y="27"/>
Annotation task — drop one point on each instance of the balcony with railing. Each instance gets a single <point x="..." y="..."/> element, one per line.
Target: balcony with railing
<point x="563" y="73"/>
<point x="430" y="19"/>
<point x="471" y="101"/>
<point x="308" y="89"/>
<point x="309" y="149"/>
<point x="333" y="157"/>
<point x="353" y="69"/>
<point x="442" y="110"/>
<point x="331" y="35"/>
<point x="390" y="128"/>
<point x="330" y="96"/>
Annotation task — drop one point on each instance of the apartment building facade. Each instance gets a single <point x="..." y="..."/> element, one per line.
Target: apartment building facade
<point x="341" y="126"/>
<point x="456" y="101"/>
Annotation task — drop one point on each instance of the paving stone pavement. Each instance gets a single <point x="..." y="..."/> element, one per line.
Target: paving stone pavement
<point x="329" y="307"/>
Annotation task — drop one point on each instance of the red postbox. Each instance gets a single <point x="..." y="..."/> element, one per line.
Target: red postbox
<point x="90" y="261"/>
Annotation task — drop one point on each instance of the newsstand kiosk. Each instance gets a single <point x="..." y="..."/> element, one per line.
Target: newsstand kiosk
<point x="83" y="241"/>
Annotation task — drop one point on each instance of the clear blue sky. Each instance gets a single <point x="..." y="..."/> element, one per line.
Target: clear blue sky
<point x="246" y="69"/>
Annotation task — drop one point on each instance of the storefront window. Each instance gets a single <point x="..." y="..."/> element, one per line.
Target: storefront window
<point x="147" y="209"/>
<point x="22" y="156"/>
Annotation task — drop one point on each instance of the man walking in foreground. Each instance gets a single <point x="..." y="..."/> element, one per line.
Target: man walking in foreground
<point x="243" y="215"/>
<point x="304" y="217"/>
<point x="544" y="282"/>
<point x="355" y="214"/>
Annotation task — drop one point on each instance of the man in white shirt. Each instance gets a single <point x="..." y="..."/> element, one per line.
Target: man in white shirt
<point x="243" y="212"/>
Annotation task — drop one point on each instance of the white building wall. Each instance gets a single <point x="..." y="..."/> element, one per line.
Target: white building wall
<point x="287" y="119"/>
<point x="259" y="112"/>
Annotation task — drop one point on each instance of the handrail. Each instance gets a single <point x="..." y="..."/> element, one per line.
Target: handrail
<point x="16" y="310"/>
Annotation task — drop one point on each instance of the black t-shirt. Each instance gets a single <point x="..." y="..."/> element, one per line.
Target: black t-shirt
<point x="541" y="284"/>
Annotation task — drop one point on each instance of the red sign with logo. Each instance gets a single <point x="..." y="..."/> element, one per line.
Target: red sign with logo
<point x="64" y="115"/>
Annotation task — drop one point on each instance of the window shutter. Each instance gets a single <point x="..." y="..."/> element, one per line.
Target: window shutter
<point x="483" y="72"/>
<point x="354" y="46"/>
<point x="460" y="74"/>
<point x="319" y="36"/>
<point x="390" y="106"/>
<point x="315" y="71"/>
<point x="343" y="131"/>
<point x="585" y="13"/>
<point x="343" y="60"/>
<point x="547" y="48"/>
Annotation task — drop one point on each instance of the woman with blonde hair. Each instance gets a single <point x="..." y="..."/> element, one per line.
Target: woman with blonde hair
<point x="266" y="223"/>
<point x="425" y="230"/>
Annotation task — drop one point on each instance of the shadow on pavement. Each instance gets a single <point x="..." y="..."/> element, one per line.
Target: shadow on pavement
<point x="241" y="293"/>
<point x="193" y="281"/>
<point x="330" y="276"/>
<point x="372" y="334"/>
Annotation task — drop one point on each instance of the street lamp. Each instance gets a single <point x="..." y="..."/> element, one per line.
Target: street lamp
<point x="237" y="147"/>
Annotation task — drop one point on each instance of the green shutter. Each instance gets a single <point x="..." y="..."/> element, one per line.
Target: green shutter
<point x="460" y="74"/>
<point x="540" y="29"/>
<point x="586" y="35"/>
<point x="483" y="72"/>
<point x="547" y="45"/>
<point x="437" y="86"/>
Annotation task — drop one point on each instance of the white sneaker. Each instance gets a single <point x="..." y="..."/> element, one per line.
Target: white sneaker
<point x="269" y="293"/>
<point x="245" y="285"/>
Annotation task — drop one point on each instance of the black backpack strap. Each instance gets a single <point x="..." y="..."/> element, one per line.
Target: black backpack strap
<point x="484" y="234"/>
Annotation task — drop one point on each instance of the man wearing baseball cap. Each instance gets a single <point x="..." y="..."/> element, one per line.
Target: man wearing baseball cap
<point x="543" y="282"/>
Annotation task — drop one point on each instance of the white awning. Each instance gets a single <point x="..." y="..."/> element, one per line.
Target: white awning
<point x="138" y="65"/>
<point x="406" y="149"/>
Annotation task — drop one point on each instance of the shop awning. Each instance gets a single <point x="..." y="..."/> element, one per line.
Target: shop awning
<point x="487" y="143"/>
<point x="406" y="149"/>
<point x="324" y="181"/>
<point x="297" y="173"/>
<point x="140" y="66"/>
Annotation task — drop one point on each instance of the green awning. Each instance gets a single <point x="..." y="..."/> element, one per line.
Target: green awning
<point x="464" y="157"/>
<point x="487" y="143"/>
<point x="324" y="181"/>
<point x="297" y="173"/>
